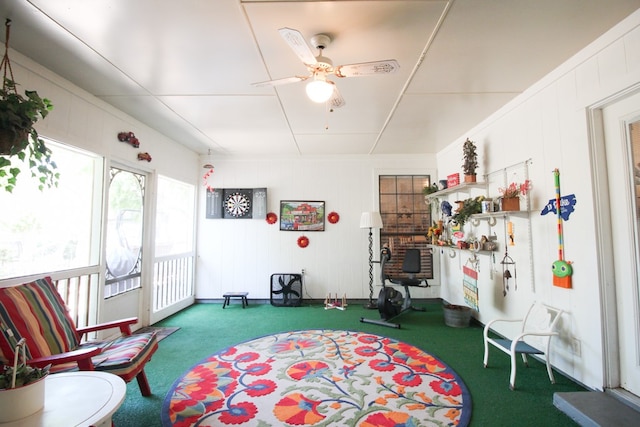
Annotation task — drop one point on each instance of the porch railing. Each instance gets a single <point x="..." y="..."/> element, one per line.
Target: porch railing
<point x="172" y="280"/>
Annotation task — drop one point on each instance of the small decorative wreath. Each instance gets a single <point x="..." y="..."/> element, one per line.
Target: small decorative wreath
<point x="205" y="177"/>
<point x="272" y="218"/>
<point x="333" y="217"/>
<point x="303" y="241"/>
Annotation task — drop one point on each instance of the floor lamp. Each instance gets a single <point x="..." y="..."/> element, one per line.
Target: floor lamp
<point x="371" y="220"/>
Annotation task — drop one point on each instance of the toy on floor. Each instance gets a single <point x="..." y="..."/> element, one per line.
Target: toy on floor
<point x="335" y="303"/>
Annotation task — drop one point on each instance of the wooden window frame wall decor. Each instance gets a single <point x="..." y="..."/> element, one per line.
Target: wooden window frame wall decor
<point x="310" y="215"/>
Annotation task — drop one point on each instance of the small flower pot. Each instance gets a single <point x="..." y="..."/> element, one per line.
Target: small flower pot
<point x="470" y="178"/>
<point x="511" y="203"/>
<point x="20" y="402"/>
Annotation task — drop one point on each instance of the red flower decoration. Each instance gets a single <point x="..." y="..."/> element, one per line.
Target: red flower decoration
<point x="272" y="218"/>
<point x="206" y="180"/>
<point x="303" y="241"/>
<point x="333" y="217"/>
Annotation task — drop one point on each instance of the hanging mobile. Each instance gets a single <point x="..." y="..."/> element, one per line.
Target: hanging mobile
<point x="506" y="274"/>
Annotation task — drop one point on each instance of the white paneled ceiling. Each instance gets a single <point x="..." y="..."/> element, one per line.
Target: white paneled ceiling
<point x="186" y="67"/>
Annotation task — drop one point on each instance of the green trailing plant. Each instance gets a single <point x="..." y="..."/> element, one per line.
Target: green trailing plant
<point x="18" y="138"/>
<point x="468" y="207"/>
<point x="470" y="157"/>
<point x="20" y="371"/>
<point x="429" y="189"/>
<point x="25" y="374"/>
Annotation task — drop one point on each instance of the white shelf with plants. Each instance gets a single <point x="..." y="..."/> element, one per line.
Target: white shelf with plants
<point x="491" y="181"/>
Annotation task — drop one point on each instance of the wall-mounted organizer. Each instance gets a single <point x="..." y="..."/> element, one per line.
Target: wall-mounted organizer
<point x="236" y="203"/>
<point x="490" y="187"/>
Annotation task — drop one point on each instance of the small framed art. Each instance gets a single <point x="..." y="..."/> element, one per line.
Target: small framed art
<point x="298" y="215"/>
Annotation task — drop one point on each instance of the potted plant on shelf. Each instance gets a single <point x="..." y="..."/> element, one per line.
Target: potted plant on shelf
<point x="470" y="157"/>
<point x="511" y="195"/>
<point x="429" y="189"/>
<point x="21" y="387"/>
<point x="467" y="208"/>
<point x="18" y="138"/>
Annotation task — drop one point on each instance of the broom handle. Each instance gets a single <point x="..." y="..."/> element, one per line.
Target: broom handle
<point x="556" y="175"/>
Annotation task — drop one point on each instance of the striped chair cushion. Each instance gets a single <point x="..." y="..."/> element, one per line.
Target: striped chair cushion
<point x="35" y="311"/>
<point x="122" y="356"/>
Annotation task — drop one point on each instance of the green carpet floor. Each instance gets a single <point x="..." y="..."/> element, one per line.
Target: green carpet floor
<point x="207" y="328"/>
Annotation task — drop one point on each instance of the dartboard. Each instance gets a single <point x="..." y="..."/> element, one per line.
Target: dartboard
<point x="237" y="204"/>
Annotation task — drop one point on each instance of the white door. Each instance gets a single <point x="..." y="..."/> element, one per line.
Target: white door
<point x="622" y="148"/>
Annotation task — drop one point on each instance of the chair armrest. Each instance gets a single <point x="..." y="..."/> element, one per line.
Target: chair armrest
<point x="488" y="325"/>
<point x="81" y="356"/>
<point x="535" y="334"/>
<point x="123" y="324"/>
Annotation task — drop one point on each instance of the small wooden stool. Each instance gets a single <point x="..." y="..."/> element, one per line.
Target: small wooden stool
<point x="242" y="295"/>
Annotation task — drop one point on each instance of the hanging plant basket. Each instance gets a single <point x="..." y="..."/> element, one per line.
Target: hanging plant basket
<point x="19" y="140"/>
<point x="10" y="139"/>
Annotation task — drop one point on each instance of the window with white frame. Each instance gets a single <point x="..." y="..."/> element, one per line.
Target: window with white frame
<point x="54" y="229"/>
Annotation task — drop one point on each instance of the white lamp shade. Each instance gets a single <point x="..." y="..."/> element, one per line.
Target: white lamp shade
<point x="319" y="90"/>
<point x="370" y="220"/>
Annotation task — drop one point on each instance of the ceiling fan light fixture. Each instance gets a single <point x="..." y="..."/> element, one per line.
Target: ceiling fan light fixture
<point x="319" y="90"/>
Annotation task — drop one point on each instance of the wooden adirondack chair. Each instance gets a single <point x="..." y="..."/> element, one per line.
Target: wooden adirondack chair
<point x="35" y="311"/>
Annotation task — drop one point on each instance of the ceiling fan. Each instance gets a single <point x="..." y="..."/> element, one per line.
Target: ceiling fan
<point x="320" y="89"/>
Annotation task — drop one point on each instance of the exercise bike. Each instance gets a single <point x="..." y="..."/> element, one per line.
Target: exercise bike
<point x="391" y="303"/>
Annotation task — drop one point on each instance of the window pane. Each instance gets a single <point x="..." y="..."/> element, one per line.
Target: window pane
<point x="406" y="219"/>
<point x="57" y="228"/>
<point x="174" y="217"/>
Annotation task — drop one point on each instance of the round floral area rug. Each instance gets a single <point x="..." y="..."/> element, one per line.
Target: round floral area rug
<point x="319" y="378"/>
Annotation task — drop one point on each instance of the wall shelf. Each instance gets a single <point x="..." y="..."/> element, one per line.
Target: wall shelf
<point x="460" y="188"/>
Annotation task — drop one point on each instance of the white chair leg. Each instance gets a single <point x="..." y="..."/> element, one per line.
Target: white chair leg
<point x="512" y="379"/>
<point x="549" y="370"/>
<point x="486" y="353"/>
<point x="525" y="360"/>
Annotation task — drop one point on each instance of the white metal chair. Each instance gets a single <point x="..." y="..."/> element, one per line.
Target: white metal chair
<point x="540" y="321"/>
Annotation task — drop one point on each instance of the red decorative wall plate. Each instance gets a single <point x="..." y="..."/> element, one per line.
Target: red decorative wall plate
<point x="272" y="218"/>
<point x="303" y="241"/>
<point x="333" y="217"/>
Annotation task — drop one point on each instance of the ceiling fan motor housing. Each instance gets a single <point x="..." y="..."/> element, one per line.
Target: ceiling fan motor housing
<point x="320" y="42"/>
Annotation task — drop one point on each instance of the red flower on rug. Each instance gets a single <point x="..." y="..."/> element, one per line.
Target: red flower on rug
<point x="296" y="409"/>
<point x="387" y="419"/>
<point x="304" y="378"/>
<point x="311" y="369"/>
<point x="238" y="414"/>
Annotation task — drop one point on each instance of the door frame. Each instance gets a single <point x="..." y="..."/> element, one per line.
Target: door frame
<point x="605" y="255"/>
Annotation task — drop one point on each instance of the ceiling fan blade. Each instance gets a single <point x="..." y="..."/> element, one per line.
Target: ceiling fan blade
<point x="336" y="100"/>
<point x="387" y="66"/>
<point x="295" y="40"/>
<point x="279" y="82"/>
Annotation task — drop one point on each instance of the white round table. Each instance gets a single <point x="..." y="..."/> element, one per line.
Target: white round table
<point x="75" y="399"/>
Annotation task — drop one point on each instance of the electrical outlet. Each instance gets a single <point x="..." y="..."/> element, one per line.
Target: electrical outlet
<point x="575" y="347"/>
<point x="303" y="272"/>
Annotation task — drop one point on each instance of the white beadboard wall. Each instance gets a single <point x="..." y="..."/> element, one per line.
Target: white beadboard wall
<point x="242" y="254"/>
<point x="548" y="124"/>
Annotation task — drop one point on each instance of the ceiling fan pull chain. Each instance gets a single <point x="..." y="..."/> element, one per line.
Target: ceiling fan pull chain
<point x="326" y="115"/>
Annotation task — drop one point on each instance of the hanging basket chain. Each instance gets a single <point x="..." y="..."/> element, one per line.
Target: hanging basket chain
<point x="6" y="64"/>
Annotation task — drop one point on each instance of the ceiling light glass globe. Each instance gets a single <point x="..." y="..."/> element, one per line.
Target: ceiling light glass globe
<point x="319" y="91"/>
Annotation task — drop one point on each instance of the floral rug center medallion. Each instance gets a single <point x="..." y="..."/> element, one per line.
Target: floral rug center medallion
<point x="319" y="378"/>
